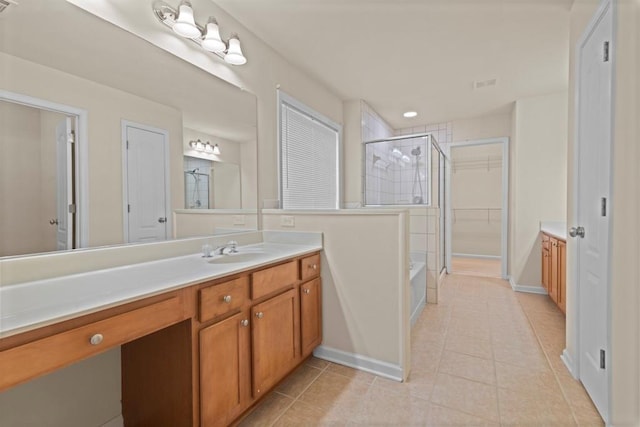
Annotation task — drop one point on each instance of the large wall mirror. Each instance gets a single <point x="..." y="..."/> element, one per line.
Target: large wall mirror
<point x="99" y="134"/>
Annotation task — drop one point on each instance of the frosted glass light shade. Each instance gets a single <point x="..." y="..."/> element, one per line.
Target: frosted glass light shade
<point x="212" y="41"/>
<point x="234" y="54"/>
<point x="185" y="25"/>
<point x="216" y="149"/>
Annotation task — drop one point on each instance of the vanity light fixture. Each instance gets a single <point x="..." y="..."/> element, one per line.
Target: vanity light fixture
<point x="206" y="147"/>
<point x="183" y="23"/>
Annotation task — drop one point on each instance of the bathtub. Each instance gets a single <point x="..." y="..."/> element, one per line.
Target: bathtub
<point x="418" y="281"/>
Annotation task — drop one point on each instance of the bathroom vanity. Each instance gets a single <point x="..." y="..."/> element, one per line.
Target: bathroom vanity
<point x="200" y="353"/>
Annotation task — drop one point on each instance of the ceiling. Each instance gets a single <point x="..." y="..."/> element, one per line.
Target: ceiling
<point x="47" y="32"/>
<point x="421" y="55"/>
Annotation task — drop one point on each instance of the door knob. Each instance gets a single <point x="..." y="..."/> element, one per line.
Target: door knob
<point x="162" y="220"/>
<point x="576" y="232"/>
<point x="53" y="221"/>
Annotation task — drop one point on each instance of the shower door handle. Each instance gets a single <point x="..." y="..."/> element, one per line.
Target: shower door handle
<point x="162" y="220"/>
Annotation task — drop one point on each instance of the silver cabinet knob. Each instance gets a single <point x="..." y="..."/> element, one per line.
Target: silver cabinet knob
<point x="314" y="266"/>
<point x="244" y="322"/>
<point x="259" y="315"/>
<point x="306" y="291"/>
<point x="226" y="298"/>
<point x="577" y="232"/>
<point x="96" y="339"/>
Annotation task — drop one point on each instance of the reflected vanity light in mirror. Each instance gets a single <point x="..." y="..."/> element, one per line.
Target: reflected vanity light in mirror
<point x="206" y="147"/>
<point x="185" y="24"/>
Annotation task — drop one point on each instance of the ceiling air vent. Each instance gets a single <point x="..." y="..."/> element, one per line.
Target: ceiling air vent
<point x="480" y="84"/>
<point x="4" y="4"/>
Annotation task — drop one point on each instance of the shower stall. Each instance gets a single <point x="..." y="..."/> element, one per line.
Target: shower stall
<point x="408" y="172"/>
<point x="196" y="189"/>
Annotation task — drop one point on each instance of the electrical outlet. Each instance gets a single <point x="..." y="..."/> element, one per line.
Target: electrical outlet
<point x="238" y="220"/>
<point x="287" y="221"/>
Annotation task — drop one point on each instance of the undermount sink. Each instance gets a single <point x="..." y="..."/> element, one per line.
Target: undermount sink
<point x="236" y="258"/>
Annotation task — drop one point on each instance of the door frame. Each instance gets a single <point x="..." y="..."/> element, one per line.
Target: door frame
<point x="504" y="237"/>
<point x="125" y="183"/>
<point x="81" y="152"/>
<point x="572" y="361"/>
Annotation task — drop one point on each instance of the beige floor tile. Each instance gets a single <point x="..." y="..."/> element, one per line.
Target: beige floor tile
<point x="317" y="363"/>
<point x="352" y="373"/>
<point x="303" y="414"/>
<point x="335" y="393"/>
<point x="298" y="381"/>
<point x="467" y="396"/>
<point x="474" y="346"/>
<point x="439" y="416"/>
<point x="419" y="384"/>
<point x="385" y="408"/>
<point x="470" y="367"/>
<point x="528" y="409"/>
<point x="524" y="379"/>
<point x="267" y="411"/>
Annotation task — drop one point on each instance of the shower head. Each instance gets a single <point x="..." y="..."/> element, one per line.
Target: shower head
<point x="193" y="171"/>
<point x="416" y="151"/>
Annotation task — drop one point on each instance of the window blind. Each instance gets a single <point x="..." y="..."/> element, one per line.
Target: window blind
<point x="309" y="161"/>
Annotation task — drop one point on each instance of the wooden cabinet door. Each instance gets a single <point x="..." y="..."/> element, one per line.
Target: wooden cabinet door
<point x="546" y="268"/>
<point x="224" y="370"/>
<point x="562" y="276"/>
<point x="310" y="316"/>
<point x="553" y="288"/>
<point x="275" y="340"/>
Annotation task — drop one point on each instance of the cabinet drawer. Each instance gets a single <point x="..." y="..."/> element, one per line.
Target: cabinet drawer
<point x="22" y="363"/>
<point x="309" y="266"/>
<point x="272" y="279"/>
<point x="219" y="299"/>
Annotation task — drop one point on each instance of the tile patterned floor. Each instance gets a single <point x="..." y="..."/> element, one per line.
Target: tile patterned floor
<point x="468" y="266"/>
<point x="484" y="356"/>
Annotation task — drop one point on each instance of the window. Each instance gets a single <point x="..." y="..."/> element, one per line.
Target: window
<point x="309" y="157"/>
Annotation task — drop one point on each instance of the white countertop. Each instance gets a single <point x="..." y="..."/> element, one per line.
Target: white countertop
<point x="34" y="304"/>
<point x="557" y="229"/>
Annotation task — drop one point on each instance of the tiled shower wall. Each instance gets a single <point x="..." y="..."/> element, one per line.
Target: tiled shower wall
<point x="424" y="221"/>
<point x="200" y="193"/>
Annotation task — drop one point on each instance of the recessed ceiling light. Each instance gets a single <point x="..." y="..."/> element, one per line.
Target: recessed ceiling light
<point x="410" y="114"/>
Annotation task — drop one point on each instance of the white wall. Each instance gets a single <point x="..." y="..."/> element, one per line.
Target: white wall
<point x="204" y="222"/>
<point x="365" y="282"/>
<point x="538" y="179"/>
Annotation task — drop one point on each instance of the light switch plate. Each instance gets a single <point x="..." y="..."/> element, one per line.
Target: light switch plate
<point x="287" y="221"/>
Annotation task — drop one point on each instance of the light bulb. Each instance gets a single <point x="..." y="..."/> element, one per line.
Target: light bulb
<point x="216" y="149"/>
<point x="199" y="146"/>
<point x="396" y="153"/>
<point x="208" y="147"/>
<point x="185" y="25"/>
<point x="212" y="41"/>
<point x="234" y="54"/>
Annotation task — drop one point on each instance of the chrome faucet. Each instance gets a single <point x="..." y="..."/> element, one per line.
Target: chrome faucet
<point x="231" y="245"/>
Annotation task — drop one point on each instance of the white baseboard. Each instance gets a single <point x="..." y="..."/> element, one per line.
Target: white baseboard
<point x="115" y="422"/>
<point x="568" y="362"/>
<point x="527" y="289"/>
<point x="357" y="361"/>
<point x="477" y="256"/>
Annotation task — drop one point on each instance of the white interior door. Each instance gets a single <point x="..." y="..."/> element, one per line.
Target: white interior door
<point x="64" y="184"/>
<point x="593" y="187"/>
<point x="145" y="185"/>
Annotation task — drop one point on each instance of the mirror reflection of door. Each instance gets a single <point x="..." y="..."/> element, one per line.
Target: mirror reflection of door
<point x="36" y="180"/>
<point x="146" y="184"/>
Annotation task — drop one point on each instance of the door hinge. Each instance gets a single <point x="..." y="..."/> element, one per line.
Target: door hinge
<point x="72" y="137"/>
<point x="603" y="206"/>
<point x="605" y="54"/>
<point x="72" y="208"/>
<point x="129" y="208"/>
<point x="127" y="144"/>
<point x="602" y="359"/>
